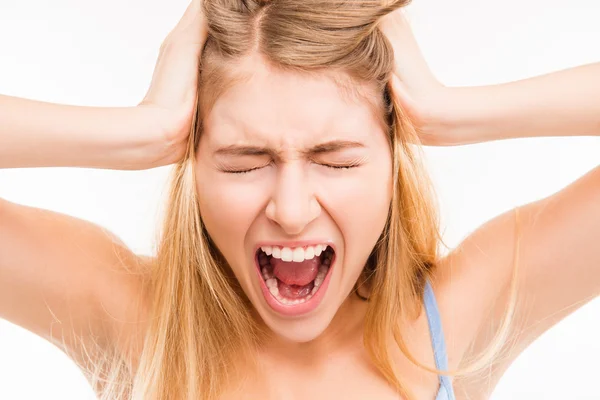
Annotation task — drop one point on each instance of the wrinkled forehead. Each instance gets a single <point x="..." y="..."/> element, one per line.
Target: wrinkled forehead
<point x="280" y="107"/>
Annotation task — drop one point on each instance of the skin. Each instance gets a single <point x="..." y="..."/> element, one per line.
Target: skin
<point x="294" y="194"/>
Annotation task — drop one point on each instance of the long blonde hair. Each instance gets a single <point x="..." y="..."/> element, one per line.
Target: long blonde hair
<point x="201" y="324"/>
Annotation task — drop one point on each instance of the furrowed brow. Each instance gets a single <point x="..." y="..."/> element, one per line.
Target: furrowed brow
<point x="333" y="146"/>
<point x="322" y="148"/>
<point x="237" y="150"/>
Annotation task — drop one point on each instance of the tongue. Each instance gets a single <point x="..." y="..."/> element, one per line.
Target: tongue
<point x="294" y="291"/>
<point x="296" y="273"/>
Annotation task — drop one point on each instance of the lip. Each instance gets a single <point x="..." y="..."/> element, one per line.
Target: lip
<point x="295" y="310"/>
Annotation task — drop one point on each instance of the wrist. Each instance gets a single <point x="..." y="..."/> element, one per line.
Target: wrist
<point x="440" y="117"/>
<point x="168" y="134"/>
<point x="126" y="138"/>
<point x="463" y="115"/>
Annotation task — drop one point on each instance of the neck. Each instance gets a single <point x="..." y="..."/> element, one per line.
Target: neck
<point x="344" y="333"/>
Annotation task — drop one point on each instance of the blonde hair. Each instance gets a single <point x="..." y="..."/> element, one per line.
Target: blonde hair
<point x="201" y="323"/>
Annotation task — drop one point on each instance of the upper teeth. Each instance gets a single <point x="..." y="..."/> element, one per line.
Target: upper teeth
<point x="296" y="254"/>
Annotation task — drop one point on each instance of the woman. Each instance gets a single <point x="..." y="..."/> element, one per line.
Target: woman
<point x="299" y="248"/>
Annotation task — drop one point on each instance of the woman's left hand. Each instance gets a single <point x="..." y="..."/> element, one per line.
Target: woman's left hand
<point x="418" y="91"/>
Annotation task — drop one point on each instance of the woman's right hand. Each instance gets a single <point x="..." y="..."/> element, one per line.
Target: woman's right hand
<point x="151" y="134"/>
<point x="171" y="99"/>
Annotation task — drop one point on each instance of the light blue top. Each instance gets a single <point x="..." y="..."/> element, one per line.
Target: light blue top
<point x="446" y="392"/>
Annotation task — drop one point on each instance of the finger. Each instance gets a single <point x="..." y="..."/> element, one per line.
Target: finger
<point x="393" y="27"/>
<point x="175" y="75"/>
<point x="410" y="65"/>
<point x="192" y="26"/>
<point x="191" y="13"/>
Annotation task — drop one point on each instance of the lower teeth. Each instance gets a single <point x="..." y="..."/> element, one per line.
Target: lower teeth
<point x="271" y="282"/>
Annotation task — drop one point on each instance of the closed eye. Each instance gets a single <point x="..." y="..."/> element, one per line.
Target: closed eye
<point x="243" y="171"/>
<point x="341" y="166"/>
<point x="332" y="166"/>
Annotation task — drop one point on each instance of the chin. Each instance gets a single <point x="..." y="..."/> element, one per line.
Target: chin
<point x="299" y="331"/>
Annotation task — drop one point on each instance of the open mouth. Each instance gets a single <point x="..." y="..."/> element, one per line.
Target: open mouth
<point x="295" y="276"/>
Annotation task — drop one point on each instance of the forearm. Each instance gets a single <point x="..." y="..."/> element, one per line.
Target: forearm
<point x="39" y="134"/>
<point x="563" y="103"/>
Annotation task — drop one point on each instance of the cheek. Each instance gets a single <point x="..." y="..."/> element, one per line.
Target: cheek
<point x="359" y="206"/>
<point x="228" y="209"/>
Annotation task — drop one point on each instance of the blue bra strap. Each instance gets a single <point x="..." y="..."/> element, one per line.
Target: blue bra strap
<point x="437" y="335"/>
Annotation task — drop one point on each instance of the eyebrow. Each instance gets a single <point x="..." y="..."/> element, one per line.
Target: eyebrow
<point x="322" y="148"/>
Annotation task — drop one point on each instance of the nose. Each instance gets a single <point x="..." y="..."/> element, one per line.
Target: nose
<point x="293" y="204"/>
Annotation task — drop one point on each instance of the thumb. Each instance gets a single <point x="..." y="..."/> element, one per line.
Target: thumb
<point x="401" y="93"/>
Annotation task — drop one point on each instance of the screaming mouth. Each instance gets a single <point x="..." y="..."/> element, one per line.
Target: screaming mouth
<point x="294" y="275"/>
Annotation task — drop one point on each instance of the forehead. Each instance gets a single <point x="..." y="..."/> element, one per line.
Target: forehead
<point x="285" y="108"/>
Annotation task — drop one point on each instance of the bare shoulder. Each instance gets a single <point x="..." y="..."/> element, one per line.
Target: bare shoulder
<point x="469" y="280"/>
<point x="68" y="280"/>
<point x="535" y="264"/>
<point x="470" y="283"/>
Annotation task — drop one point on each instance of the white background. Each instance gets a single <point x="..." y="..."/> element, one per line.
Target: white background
<point x="102" y="53"/>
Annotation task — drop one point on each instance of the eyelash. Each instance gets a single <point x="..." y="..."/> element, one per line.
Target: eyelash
<point x="347" y="166"/>
<point x="242" y="171"/>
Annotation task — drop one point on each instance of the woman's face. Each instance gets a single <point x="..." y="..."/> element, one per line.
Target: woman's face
<point x="267" y="178"/>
